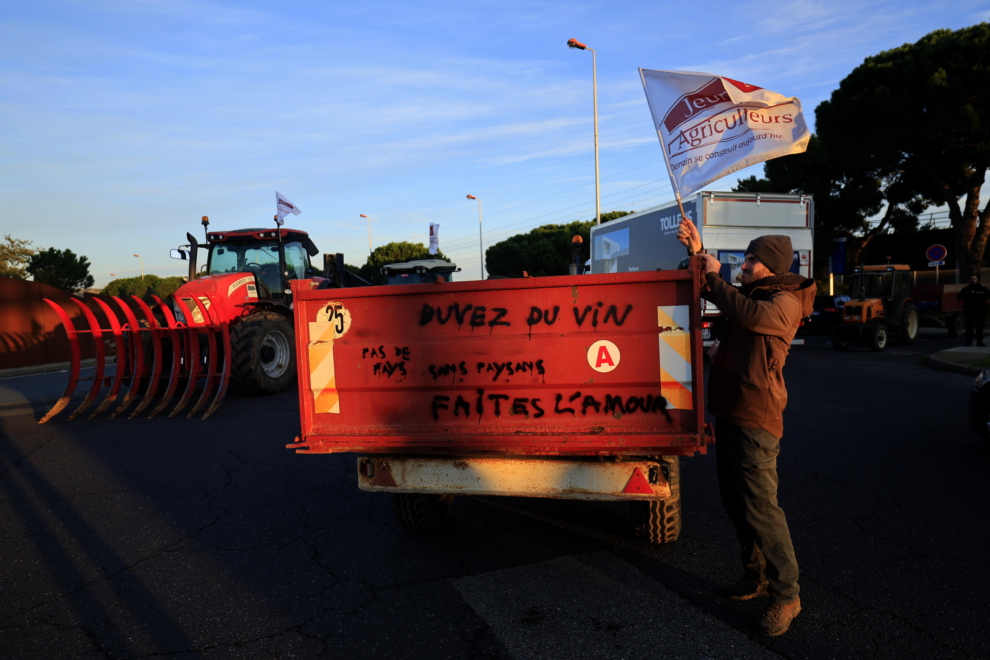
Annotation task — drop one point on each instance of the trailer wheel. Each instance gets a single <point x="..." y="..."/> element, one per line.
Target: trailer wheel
<point x="264" y="353"/>
<point x="421" y="512"/>
<point x="908" y="331"/>
<point x="956" y="325"/>
<point x="878" y="337"/>
<point x="659" y="521"/>
<point x="840" y="340"/>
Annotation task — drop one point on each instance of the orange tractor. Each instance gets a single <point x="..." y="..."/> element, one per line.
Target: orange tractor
<point x="230" y="323"/>
<point x="881" y="305"/>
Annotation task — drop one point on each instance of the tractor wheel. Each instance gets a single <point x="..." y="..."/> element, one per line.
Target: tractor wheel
<point x="421" y="512"/>
<point x="840" y="340"/>
<point x="659" y="521"/>
<point x="878" y="337"/>
<point x="264" y="353"/>
<point x="908" y="330"/>
<point x="956" y="325"/>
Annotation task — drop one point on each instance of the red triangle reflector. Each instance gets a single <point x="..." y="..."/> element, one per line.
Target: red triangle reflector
<point x="638" y="484"/>
<point x="384" y="478"/>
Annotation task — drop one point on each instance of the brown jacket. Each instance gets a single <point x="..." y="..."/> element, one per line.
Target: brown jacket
<point x="746" y="381"/>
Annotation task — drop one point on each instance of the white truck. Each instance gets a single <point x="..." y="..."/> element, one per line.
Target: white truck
<point x="727" y="221"/>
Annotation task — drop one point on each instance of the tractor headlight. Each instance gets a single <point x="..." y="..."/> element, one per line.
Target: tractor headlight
<point x="179" y="316"/>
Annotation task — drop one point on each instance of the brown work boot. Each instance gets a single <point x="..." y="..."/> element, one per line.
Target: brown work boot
<point x="778" y="617"/>
<point x="747" y="588"/>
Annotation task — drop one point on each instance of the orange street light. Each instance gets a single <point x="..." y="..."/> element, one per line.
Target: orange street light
<point x="574" y="43"/>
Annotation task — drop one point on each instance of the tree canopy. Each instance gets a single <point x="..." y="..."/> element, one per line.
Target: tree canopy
<point x="14" y="255"/>
<point x="150" y="284"/>
<point x="61" y="269"/>
<point x="546" y="250"/>
<point x="392" y="253"/>
<point x="908" y="128"/>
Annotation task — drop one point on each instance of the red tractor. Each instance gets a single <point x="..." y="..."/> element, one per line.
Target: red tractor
<point x="231" y="323"/>
<point x="247" y="275"/>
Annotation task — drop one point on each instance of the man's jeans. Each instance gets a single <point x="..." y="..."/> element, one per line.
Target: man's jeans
<point x="747" y="480"/>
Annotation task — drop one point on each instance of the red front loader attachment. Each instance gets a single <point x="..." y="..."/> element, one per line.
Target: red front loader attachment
<point x="155" y="356"/>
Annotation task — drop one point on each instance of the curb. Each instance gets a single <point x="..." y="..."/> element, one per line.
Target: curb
<point x="942" y="365"/>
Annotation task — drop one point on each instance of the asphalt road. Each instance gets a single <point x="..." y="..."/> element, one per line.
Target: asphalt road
<point x="187" y="539"/>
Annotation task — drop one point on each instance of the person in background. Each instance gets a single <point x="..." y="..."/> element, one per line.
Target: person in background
<point x="746" y="394"/>
<point x="974" y="296"/>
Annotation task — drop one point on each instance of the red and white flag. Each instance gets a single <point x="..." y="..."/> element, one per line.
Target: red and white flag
<point x="711" y="126"/>
<point x="283" y="208"/>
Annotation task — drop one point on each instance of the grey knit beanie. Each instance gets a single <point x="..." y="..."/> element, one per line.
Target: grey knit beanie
<point x="774" y="251"/>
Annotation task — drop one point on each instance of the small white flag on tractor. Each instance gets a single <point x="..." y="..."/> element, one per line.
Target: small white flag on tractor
<point x="284" y="207"/>
<point x="434" y="237"/>
<point x="711" y="126"/>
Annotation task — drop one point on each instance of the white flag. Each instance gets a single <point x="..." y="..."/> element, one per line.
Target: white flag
<point x="434" y="237"/>
<point x="284" y="207"/>
<point x="711" y="126"/>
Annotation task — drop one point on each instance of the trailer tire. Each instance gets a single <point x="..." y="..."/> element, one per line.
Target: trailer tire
<point x="956" y="325"/>
<point x="878" y="337"/>
<point x="264" y="353"/>
<point x="421" y="512"/>
<point x="840" y="340"/>
<point x="908" y="330"/>
<point x="659" y="521"/>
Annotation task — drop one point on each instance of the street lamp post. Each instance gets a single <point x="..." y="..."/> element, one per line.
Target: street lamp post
<point x="369" y="233"/>
<point x="142" y="264"/>
<point x="574" y="43"/>
<point x="481" y="251"/>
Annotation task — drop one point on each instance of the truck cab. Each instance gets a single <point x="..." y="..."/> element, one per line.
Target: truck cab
<point x="419" y="272"/>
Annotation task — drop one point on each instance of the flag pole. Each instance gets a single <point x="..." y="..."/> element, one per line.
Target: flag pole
<point x="666" y="161"/>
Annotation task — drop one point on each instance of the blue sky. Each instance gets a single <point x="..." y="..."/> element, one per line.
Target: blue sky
<point x="123" y="122"/>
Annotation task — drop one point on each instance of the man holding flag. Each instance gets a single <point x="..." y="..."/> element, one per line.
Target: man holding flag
<point x="710" y="126"/>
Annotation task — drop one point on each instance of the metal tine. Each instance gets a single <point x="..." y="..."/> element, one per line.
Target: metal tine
<point x="70" y="330"/>
<point x="136" y="353"/>
<point x="121" y="358"/>
<point x="157" y="358"/>
<point x="97" y="333"/>
<point x="211" y="365"/>
<point x="192" y="360"/>
<point x="227" y="362"/>
<point x="177" y="352"/>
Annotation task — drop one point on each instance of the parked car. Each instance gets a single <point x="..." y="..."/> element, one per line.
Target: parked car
<point x="979" y="406"/>
<point x="828" y="311"/>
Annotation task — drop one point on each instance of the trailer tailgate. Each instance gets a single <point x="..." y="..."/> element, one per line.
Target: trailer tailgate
<point x="578" y="365"/>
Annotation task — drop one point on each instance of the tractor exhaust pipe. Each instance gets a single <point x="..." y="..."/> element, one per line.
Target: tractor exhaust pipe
<point x="193" y="253"/>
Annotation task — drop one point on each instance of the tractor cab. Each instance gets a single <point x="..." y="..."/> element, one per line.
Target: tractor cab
<point x="260" y="251"/>
<point x="273" y="256"/>
<point x="885" y="282"/>
<point x="419" y="272"/>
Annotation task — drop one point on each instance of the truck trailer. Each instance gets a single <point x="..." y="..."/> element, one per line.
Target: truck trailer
<point x="727" y="222"/>
<point x="579" y="387"/>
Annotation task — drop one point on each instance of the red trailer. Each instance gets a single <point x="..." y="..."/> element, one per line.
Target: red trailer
<point x="584" y="387"/>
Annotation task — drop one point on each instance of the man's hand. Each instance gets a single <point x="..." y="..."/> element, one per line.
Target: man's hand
<point x="710" y="264"/>
<point x="688" y="234"/>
